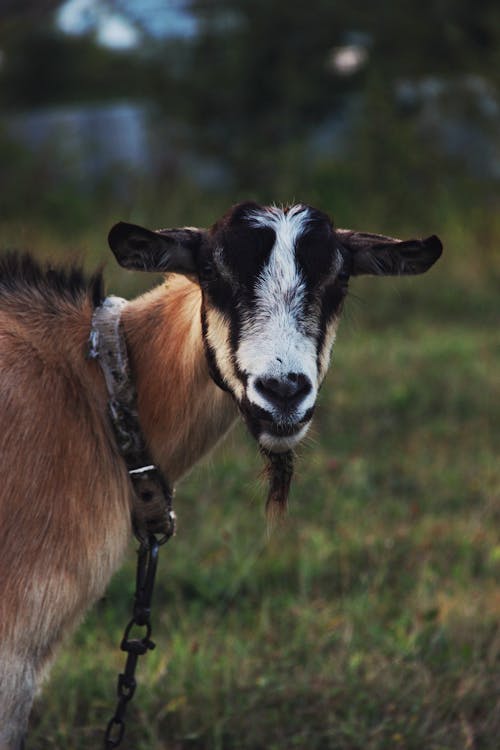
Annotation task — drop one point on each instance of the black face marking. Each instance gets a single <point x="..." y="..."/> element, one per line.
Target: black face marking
<point x="221" y="293"/>
<point x="210" y="354"/>
<point x="245" y="251"/>
<point x="241" y="250"/>
<point x="259" y="420"/>
<point x="315" y="248"/>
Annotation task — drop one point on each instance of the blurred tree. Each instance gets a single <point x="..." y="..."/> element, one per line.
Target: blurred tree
<point x="443" y="37"/>
<point x="12" y="11"/>
<point x="256" y="76"/>
<point x="258" y="79"/>
<point x="44" y="66"/>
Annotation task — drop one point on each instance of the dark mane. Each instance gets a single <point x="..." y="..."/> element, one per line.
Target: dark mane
<point x="21" y="273"/>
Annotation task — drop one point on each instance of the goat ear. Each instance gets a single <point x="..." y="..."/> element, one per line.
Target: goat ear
<point x="378" y="255"/>
<point x="165" y="250"/>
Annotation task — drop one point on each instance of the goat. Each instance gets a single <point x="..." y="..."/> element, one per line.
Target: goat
<point x="244" y="323"/>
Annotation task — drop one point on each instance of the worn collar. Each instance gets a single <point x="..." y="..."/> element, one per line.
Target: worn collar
<point x="152" y="497"/>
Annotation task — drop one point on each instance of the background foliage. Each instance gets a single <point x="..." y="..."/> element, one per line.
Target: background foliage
<point x="371" y="619"/>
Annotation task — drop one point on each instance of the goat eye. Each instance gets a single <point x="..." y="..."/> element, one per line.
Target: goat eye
<point x="207" y="271"/>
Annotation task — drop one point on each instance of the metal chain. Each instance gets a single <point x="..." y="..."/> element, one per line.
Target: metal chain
<point x="147" y="561"/>
<point x="153" y="520"/>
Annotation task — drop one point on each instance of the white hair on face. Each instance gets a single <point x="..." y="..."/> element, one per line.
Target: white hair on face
<point x="274" y="339"/>
<point x="281" y="271"/>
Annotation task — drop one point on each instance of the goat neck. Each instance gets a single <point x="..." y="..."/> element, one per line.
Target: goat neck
<point x="182" y="412"/>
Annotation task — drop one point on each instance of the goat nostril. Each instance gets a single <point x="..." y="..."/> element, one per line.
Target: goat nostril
<point x="301" y="382"/>
<point x="287" y="390"/>
<point x="269" y="387"/>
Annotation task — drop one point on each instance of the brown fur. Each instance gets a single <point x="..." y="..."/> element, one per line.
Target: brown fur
<point x="182" y="412"/>
<point x="65" y="493"/>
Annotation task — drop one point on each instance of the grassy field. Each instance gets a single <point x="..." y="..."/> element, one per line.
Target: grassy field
<point x="370" y="620"/>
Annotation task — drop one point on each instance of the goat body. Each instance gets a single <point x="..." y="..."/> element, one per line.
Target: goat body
<point x="65" y="512"/>
<point x="244" y="325"/>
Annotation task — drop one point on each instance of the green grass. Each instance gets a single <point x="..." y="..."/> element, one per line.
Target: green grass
<point x="370" y="620"/>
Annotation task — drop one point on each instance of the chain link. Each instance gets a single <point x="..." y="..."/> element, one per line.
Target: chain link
<point x="147" y="561"/>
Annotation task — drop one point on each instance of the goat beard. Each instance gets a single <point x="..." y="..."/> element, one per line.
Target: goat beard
<point x="279" y="472"/>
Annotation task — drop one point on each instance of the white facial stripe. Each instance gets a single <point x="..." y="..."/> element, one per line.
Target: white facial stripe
<point x="274" y="340"/>
<point x="287" y="227"/>
<point x="218" y="339"/>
